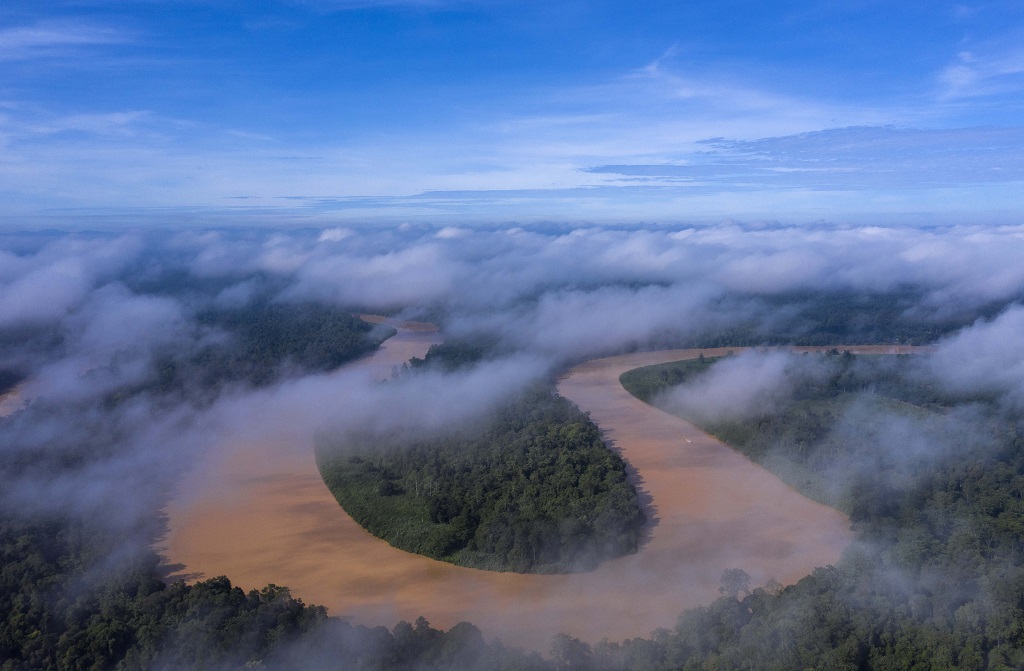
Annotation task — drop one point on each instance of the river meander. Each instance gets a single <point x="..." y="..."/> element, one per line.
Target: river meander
<point x="259" y="513"/>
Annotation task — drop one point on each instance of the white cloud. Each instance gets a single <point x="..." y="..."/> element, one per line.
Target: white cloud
<point x="50" y="39"/>
<point x="742" y="386"/>
<point x="985" y="358"/>
<point x="983" y="72"/>
<point x="46" y="286"/>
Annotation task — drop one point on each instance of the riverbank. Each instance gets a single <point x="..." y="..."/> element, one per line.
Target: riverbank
<point x="261" y="514"/>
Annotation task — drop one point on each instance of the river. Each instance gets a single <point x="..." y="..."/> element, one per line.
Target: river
<point x="259" y="513"/>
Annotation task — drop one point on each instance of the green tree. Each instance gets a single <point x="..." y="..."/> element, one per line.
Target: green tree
<point x="735" y="581"/>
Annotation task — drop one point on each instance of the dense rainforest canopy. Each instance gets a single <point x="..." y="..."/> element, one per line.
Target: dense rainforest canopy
<point x="263" y="342"/>
<point x="72" y="596"/>
<point x="534" y="489"/>
<point x="935" y="580"/>
<point x="58" y="612"/>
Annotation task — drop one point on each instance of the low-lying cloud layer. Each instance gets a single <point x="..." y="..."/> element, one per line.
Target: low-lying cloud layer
<point x="985" y="358"/>
<point x="85" y="315"/>
<point x="744" y="386"/>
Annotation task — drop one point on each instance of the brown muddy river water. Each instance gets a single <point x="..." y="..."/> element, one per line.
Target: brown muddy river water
<point x="258" y="512"/>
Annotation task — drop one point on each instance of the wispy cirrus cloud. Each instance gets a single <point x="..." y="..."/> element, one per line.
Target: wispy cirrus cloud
<point x="54" y="39"/>
<point x="846" y="158"/>
<point x="126" y="123"/>
<point x="346" y="5"/>
<point x="983" y="72"/>
<point x="351" y="114"/>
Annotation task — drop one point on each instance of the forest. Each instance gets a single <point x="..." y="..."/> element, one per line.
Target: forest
<point x="57" y="613"/>
<point x="534" y="489"/>
<point x="62" y="612"/>
<point x="934" y="580"/>
<point x="827" y="318"/>
<point x="262" y="343"/>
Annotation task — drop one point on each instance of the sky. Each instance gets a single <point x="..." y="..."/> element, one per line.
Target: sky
<point x="498" y="111"/>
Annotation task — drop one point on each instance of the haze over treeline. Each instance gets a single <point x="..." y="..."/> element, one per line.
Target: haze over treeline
<point x="86" y="315"/>
<point x="108" y="336"/>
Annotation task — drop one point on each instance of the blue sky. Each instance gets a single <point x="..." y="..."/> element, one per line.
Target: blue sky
<point x="496" y="111"/>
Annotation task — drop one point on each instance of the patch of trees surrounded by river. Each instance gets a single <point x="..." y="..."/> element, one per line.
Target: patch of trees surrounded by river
<point x="532" y="490"/>
<point x="936" y="581"/>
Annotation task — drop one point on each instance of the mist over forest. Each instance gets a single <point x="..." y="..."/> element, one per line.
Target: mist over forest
<point x="126" y="354"/>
